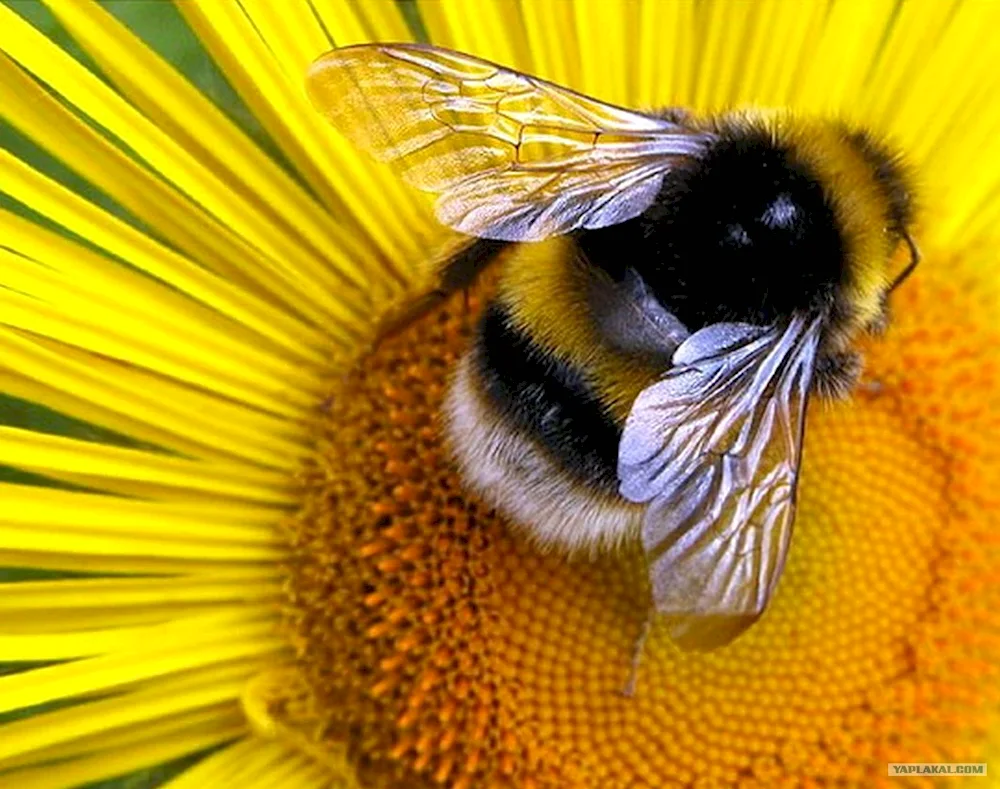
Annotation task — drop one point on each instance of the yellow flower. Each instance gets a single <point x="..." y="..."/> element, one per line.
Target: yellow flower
<point x="269" y="556"/>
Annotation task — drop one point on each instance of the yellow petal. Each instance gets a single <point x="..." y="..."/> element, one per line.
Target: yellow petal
<point x="132" y="756"/>
<point x="74" y="620"/>
<point x="62" y="646"/>
<point x="83" y="393"/>
<point x="725" y="26"/>
<point x="916" y="31"/>
<point x="139" y="707"/>
<point x="492" y="29"/>
<point x="58" y="540"/>
<point x="48" y="123"/>
<point x="393" y="217"/>
<point x="222" y="715"/>
<point x="124" y="315"/>
<point x="606" y="73"/>
<point x="277" y="325"/>
<point x="208" y="189"/>
<point x="31" y="315"/>
<point x="660" y="48"/>
<point x="210" y="137"/>
<point x="160" y="402"/>
<point x="125" y="592"/>
<point x="435" y="20"/>
<point x="55" y="454"/>
<point x="70" y="561"/>
<point x="171" y="648"/>
<point x="217" y="769"/>
<point x="288" y="772"/>
<point x="233" y="766"/>
<point x="837" y="63"/>
<point x="373" y="20"/>
<point x="27" y="505"/>
<point x="78" y="269"/>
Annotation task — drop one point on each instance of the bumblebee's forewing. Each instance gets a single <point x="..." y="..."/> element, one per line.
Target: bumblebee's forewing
<point x="714" y="448"/>
<point x="512" y="157"/>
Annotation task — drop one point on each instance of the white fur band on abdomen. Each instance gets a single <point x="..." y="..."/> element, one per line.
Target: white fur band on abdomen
<point x="509" y="471"/>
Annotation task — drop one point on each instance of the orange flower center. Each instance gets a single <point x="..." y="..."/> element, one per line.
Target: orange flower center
<point x="445" y="650"/>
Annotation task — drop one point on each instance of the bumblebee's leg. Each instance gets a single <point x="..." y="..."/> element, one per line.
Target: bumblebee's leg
<point x="837" y="373"/>
<point x="878" y="325"/>
<point x="399" y="318"/>
<point x="457" y="268"/>
<point x="640" y="646"/>
<point x="880" y="322"/>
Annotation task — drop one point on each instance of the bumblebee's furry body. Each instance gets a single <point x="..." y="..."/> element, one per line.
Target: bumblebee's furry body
<point x="684" y="286"/>
<point x="512" y="472"/>
<point x="554" y="387"/>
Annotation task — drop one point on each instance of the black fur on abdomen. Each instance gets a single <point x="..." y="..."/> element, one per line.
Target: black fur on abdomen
<point x="547" y="399"/>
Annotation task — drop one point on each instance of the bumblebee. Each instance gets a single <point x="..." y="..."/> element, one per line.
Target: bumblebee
<point x="672" y="292"/>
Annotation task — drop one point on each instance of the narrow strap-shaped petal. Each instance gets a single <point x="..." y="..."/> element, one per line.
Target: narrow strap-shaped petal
<point x="609" y="75"/>
<point x="219" y="769"/>
<point x="117" y="739"/>
<point x="69" y="560"/>
<point x="51" y="454"/>
<point x="240" y="44"/>
<point x="210" y="190"/>
<point x="143" y="405"/>
<point x="355" y="23"/>
<point x="157" y="749"/>
<point x="31" y="505"/>
<point x="175" y="647"/>
<point x="194" y="122"/>
<point x="492" y="29"/>
<point x="556" y="58"/>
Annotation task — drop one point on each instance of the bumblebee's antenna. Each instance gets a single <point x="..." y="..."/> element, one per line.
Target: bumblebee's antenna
<point x="914" y="260"/>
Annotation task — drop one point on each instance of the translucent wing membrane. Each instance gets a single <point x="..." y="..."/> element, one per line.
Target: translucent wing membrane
<point x="511" y="157"/>
<point x="714" y="448"/>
